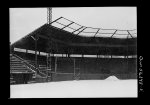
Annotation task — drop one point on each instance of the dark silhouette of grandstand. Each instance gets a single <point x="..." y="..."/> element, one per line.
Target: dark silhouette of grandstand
<point x="67" y="51"/>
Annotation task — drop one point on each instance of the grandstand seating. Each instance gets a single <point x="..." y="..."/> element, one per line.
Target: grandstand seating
<point x="42" y="67"/>
<point x="89" y="68"/>
<point x="16" y="65"/>
<point x="88" y="65"/>
<point x="30" y="58"/>
<point x="19" y="72"/>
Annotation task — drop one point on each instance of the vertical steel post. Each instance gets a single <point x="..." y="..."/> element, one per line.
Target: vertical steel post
<point x="56" y="64"/>
<point x="127" y="53"/>
<point x="36" y="52"/>
<point x="74" y="67"/>
<point x="47" y="60"/>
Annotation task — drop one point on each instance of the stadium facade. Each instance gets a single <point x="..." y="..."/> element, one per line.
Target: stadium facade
<point x="64" y="50"/>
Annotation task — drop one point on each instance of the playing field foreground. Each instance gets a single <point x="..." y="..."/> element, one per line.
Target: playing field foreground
<point x="111" y="87"/>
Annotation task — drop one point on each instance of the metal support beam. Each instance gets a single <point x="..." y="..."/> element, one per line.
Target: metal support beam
<point x="81" y="31"/>
<point x="71" y="21"/>
<point x="96" y="32"/>
<point x="56" y="58"/>
<point x="56" y="64"/>
<point x="36" y="65"/>
<point x="127" y="54"/>
<point x="129" y="34"/>
<point x="74" y="64"/>
<point x="67" y="25"/>
<point x="113" y="34"/>
<point x="56" y="20"/>
<point x="118" y="29"/>
<point x="77" y="29"/>
<point x="47" y="60"/>
<point x="33" y="38"/>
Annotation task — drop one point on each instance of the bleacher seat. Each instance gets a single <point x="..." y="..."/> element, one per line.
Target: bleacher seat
<point x="87" y="65"/>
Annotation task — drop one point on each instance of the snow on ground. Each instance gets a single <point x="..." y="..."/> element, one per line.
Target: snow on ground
<point x="76" y="89"/>
<point x="112" y="78"/>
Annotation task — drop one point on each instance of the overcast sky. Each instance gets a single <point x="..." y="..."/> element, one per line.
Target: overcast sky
<point x="25" y="20"/>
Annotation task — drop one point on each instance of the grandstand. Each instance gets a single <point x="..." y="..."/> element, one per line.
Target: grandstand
<point x="19" y="71"/>
<point x="64" y="50"/>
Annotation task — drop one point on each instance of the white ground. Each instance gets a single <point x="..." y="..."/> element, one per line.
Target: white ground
<point x="111" y="87"/>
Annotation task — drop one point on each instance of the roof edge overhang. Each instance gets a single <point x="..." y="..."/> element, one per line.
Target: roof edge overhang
<point x="36" y="33"/>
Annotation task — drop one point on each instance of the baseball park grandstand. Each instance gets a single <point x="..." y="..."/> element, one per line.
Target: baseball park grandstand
<point x="64" y="50"/>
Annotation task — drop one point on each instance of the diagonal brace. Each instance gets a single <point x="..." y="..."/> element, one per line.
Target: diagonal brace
<point x="77" y="29"/>
<point x="96" y="32"/>
<point x="81" y="31"/>
<point x="113" y="34"/>
<point x="129" y="33"/>
<point x="67" y="25"/>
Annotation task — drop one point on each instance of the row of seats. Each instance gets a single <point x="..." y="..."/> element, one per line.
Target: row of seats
<point x="16" y="65"/>
<point x="31" y="58"/>
<point x="89" y="65"/>
<point x="19" y="72"/>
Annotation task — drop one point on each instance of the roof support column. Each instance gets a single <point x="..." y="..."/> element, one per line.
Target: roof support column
<point x="36" y="64"/>
<point x="56" y="64"/>
<point x="56" y="58"/>
<point x="127" y="53"/>
<point x="74" y="64"/>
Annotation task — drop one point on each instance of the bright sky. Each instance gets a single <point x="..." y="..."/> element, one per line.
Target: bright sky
<point x="25" y="20"/>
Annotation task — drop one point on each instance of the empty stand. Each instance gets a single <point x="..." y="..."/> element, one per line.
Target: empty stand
<point x="16" y="65"/>
<point x="58" y="40"/>
<point x="87" y="65"/>
<point x="19" y="72"/>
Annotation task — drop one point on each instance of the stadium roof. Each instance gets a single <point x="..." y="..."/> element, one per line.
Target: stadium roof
<point x="65" y="36"/>
<point x="77" y="29"/>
